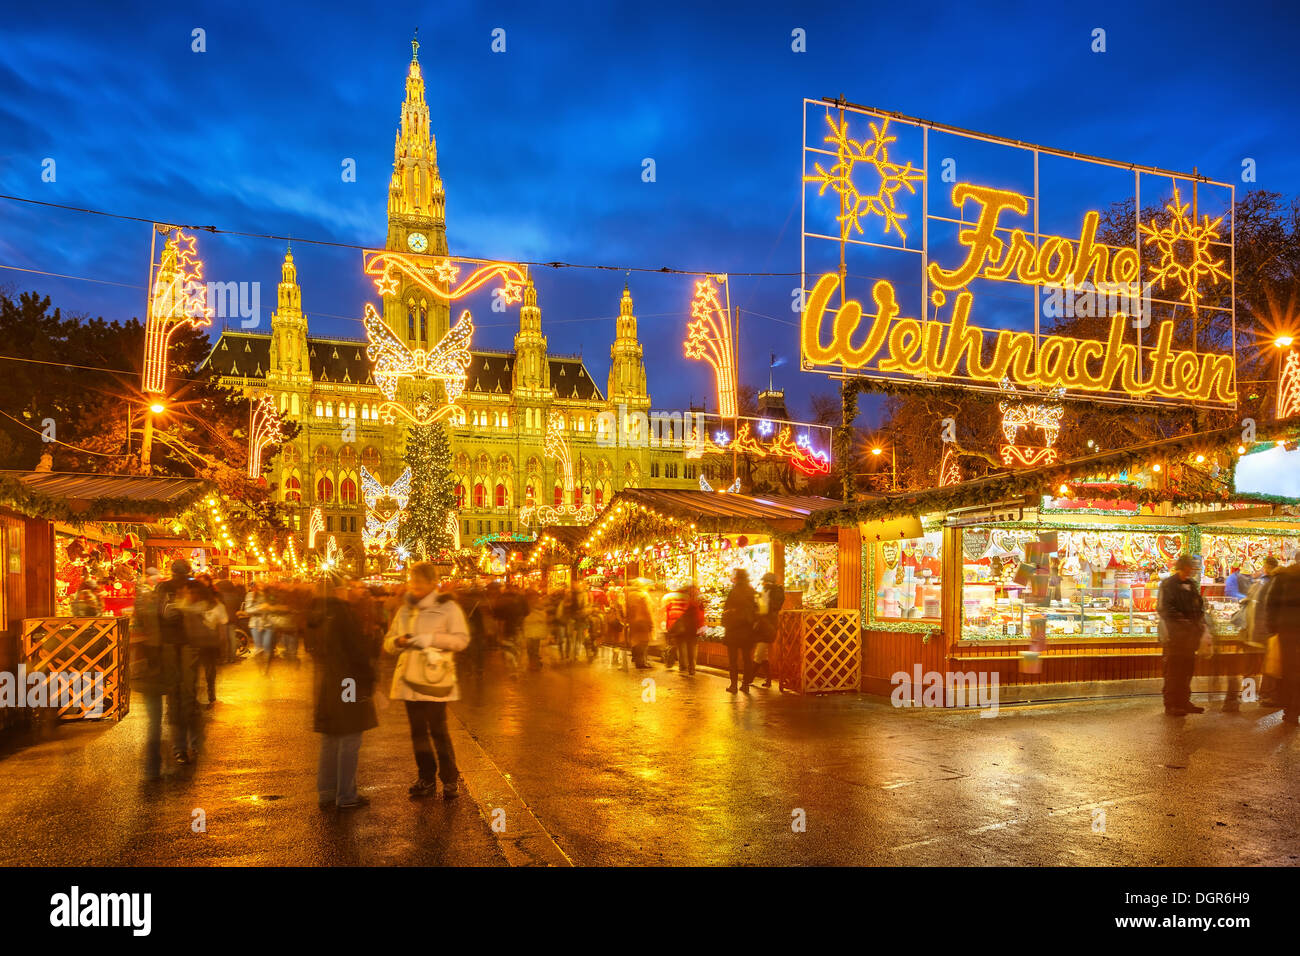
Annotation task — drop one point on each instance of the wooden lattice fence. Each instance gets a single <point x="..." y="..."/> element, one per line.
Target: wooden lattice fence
<point x="89" y="647"/>
<point x="819" y="652"/>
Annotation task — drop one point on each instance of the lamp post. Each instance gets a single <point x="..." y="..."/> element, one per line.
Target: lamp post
<point x="1283" y="344"/>
<point x="893" y="465"/>
<point x="155" y="407"/>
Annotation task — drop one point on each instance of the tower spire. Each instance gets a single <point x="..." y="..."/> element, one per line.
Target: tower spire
<point x="415" y="46"/>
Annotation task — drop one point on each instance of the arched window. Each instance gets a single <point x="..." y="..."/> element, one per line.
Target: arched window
<point x="577" y="497"/>
<point x="322" y="456"/>
<point x="500" y="498"/>
<point x="320" y="410"/>
<point x="496" y="419"/>
<point x="529" y="493"/>
<point x="599" y="497"/>
<point x="352" y="409"/>
<point x="480" y="495"/>
<point x="348" y="491"/>
<point x="559" y="495"/>
<point x="424" y="323"/>
<point x="370" y="459"/>
<point x="292" y="489"/>
<point x="460" y="497"/>
<point x="329" y="409"/>
<point x="324" y="489"/>
<point x="410" y="320"/>
<point x="348" y="457"/>
<point x="284" y="402"/>
<point x="505" y="419"/>
<point x="294" y="409"/>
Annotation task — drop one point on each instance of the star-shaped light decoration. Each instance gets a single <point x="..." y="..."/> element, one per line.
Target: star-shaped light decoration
<point x="446" y="271"/>
<point x="1192" y="240"/>
<point x="512" y="292"/>
<point x="387" y="283"/>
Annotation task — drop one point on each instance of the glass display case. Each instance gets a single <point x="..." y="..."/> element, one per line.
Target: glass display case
<point x="907" y="578"/>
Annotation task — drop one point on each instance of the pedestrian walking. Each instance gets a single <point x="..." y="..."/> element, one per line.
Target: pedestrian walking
<point x="684" y="617"/>
<point x="738" y="618"/>
<point x="180" y="665"/>
<point x="345" y="696"/>
<point x="770" y="603"/>
<point x="536" y="626"/>
<point x="1283" y="618"/>
<point x="1182" y="614"/>
<point x="1258" y="633"/>
<point x="205" y="616"/>
<point x="640" y="622"/>
<point x="148" y="674"/>
<point x="255" y="606"/>
<point x="231" y="596"/>
<point x="425" y="633"/>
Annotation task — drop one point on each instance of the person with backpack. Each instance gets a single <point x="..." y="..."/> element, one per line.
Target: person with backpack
<point x="738" y="617"/>
<point x="426" y="632"/>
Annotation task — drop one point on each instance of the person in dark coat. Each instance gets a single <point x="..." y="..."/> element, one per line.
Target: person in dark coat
<point x="739" y="615"/>
<point x="1182" y="613"/>
<point x="345" y="698"/>
<point x="180" y="664"/>
<point x="765" y="630"/>
<point x="1283" y="618"/>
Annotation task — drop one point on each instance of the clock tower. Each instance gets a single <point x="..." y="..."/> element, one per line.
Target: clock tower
<point x="417" y="216"/>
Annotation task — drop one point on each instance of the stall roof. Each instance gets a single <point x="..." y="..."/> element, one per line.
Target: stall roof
<point x="721" y="512"/>
<point x="1007" y="486"/>
<point x="75" y="498"/>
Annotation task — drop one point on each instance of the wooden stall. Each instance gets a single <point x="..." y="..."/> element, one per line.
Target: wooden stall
<point x="33" y="505"/>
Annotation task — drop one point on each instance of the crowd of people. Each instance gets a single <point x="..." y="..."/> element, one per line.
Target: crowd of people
<point x="1268" y="621"/>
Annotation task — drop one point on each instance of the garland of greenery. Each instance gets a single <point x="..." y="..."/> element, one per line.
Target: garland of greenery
<point x="1033" y="482"/>
<point x="22" y="498"/>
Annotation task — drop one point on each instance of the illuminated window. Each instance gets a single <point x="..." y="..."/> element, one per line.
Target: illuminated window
<point x="348" y="491"/>
<point x="324" y="489"/>
<point x="599" y="498"/>
<point x="577" y="497"/>
<point x="284" y="402"/>
<point x="559" y="496"/>
<point x="352" y="409"/>
<point x="410" y="320"/>
<point x="294" y="409"/>
<point x="496" y="420"/>
<point x="505" y="419"/>
<point x="365" y="411"/>
<point x="320" y="410"/>
<point x="501" y="495"/>
<point x="460" y="501"/>
<point x="370" y="459"/>
<point x="322" y="456"/>
<point x="292" y="489"/>
<point x="480" y="495"/>
<point x="528" y="495"/>
<point x="329" y="410"/>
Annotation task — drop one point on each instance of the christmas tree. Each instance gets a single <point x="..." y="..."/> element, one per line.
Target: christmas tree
<point x="424" y="527"/>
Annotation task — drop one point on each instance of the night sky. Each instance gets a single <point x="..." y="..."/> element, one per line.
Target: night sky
<point x="541" y="147"/>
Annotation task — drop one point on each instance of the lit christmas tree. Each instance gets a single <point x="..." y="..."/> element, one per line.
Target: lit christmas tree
<point x="424" y="528"/>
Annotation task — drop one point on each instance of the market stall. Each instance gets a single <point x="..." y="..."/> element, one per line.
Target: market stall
<point x="1048" y="576"/>
<point x="60" y="529"/>
<point x="676" y="539"/>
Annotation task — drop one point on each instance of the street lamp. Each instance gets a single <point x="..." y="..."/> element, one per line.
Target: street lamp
<point x="156" y="407"/>
<point x="877" y="451"/>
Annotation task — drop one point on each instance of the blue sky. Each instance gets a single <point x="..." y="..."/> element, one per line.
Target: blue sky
<point x="541" y="147"/>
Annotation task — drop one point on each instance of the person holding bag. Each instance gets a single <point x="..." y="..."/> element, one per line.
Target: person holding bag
<point x="426" y="632"/>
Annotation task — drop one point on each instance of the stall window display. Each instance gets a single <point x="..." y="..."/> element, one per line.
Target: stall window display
<point x="813" y="568"/>
<point x="1223" y="552"/>
<point x="1078" y="583"/>
<point x="906" y="575"/>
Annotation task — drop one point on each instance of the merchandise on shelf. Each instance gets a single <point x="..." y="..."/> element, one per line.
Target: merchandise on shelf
<point x="907" y="578"/>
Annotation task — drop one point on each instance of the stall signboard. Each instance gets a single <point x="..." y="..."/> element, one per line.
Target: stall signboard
<point x="934" y="255"/>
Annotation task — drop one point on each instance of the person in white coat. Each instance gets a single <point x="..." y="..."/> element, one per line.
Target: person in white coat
<point x="426" y="631"/>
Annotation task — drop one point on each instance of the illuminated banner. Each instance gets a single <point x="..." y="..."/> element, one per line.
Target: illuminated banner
<point x="935" y="255"/>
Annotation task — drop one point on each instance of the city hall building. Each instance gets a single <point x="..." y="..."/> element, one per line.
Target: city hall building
<point x="497" y="440"/>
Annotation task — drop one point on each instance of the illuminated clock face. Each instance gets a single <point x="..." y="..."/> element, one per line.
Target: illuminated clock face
<point x="417" y="241"/>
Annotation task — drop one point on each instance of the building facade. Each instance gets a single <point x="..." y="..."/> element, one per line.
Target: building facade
<point x="498" y="436"/>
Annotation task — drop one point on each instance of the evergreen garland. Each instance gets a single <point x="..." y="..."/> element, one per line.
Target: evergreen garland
<point x="423" y="528"/>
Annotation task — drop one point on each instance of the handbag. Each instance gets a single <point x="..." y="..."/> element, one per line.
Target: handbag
<point x="430" y="671"/>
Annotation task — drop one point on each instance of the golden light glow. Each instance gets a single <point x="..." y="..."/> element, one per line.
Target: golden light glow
<point x="1027" y="456"/>
<point x="157" y="408"/>
<point x="876" y="451"/>
<point x="558" y="449"/>
<point x="937" y="349"/>
<point x="1283" y="341"/>
<point x="1017" y="415"/>
<point x="890" y="177"/>
<point x="1288" y="387"/>
<point x="708" y="337"/>
<point x="949" y="468"/>
<point x="1156" y="467"/>
<point x="267" y="429"/>
<point x="1193" y="241"/>
<point x="178" y="296"/>
<point x="315" y="526"/>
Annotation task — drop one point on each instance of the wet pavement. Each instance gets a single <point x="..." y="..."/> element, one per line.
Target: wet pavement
<point x="583" y="764"/>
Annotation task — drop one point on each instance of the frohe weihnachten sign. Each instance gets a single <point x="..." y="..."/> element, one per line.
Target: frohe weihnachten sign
<point x="937" y="255"/>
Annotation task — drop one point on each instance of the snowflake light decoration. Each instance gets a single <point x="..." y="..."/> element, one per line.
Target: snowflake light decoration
<point x="1193" y="240"/>
<point x="875" y="153"/>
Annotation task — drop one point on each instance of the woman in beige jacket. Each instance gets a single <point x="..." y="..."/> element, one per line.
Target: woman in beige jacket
<point x="433" y="624"/>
